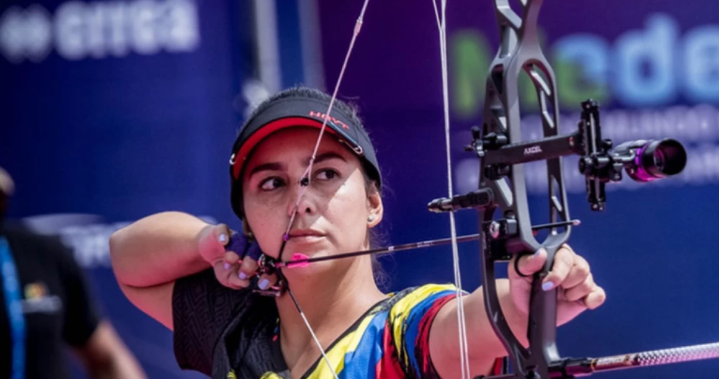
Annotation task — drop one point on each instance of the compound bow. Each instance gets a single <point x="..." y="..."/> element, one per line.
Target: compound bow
<point x="502" y="197"/>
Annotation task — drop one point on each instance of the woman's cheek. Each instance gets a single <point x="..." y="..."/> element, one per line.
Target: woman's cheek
<point x="347" y="215"/>
<point x="267" y="235"/>
<point x="269" y="243"/>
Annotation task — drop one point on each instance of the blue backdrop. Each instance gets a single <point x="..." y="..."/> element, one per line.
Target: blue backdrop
<point x="110" y="111"/>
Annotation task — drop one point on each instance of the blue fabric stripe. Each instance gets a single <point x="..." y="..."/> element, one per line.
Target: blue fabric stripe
<point x="361" y="363"/>
<point x="13" y="304"/>
<point x="412" y="325"/>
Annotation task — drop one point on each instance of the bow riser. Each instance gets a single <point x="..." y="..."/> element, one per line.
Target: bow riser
<point x="520" y="51"/>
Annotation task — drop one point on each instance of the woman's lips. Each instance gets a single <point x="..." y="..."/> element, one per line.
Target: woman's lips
<point x="306" y="235"/>
<point x="306" y="238"/>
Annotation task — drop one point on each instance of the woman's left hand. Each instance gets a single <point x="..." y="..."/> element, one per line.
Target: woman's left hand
<point x="577" y="290"/>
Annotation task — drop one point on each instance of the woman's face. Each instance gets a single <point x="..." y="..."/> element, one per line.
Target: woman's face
<point x="332" y="216"/>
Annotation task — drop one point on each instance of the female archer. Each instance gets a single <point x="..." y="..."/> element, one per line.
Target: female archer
<point x="175" y="267"/>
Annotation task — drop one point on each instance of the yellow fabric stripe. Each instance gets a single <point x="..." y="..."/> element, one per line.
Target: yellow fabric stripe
<point x="399" y="312"/>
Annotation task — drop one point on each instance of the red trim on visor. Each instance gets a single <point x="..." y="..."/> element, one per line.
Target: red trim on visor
<point x="268" y="129"/>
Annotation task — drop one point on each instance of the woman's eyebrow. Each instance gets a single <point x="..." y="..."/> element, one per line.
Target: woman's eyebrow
<point x="276" y="166"/>
<point x="327" y="156"/>
<point x="271" y="166"/>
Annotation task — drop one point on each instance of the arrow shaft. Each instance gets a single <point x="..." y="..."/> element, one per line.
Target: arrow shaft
<point x="382" y="250"/>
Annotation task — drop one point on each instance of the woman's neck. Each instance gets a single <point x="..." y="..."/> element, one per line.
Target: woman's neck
<point x="331" y="303"/>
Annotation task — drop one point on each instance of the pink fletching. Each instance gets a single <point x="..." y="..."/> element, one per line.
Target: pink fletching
<point x="298" y="260"/>
<point x="299" y="256"/>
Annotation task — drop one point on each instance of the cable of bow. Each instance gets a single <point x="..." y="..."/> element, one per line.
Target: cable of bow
<point x="441" y="17"/>
<point x="305" y="182"/>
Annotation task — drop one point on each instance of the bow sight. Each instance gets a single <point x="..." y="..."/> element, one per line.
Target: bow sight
<point x="643" y="160"/>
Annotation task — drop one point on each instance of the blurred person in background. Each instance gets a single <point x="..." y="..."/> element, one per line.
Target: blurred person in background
<point x="45" y="305"/>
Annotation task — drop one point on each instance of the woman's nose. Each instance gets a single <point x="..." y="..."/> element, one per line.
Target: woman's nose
<point x="301" y="199"/>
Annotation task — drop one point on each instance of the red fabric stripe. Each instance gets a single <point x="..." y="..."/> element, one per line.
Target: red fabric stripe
<point x="388" y="367"/>
<point x="498" y="364"/>
<point x="421" y="345"/>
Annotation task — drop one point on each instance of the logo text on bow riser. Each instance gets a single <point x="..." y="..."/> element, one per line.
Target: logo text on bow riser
<point x="533" y="150"/>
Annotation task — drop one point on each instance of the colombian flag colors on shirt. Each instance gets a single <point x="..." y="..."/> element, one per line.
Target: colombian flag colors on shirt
<point x="390" y="342"/>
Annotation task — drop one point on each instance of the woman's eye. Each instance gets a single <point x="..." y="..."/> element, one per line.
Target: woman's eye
<point x="326" y="174"/>
<point x="271" y="183"/>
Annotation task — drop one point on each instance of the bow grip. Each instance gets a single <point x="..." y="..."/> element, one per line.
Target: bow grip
<point x="541" y="326"/>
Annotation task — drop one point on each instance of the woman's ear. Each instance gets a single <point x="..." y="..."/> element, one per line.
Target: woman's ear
<point x="375" y="209"/>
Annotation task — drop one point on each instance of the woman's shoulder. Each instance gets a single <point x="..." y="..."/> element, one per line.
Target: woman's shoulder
<point x="424" y="291"/>
<point x="419" y="296"/>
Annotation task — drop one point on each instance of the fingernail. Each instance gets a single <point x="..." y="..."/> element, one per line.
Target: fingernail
<point x="227" y="266"/>
<point x="264" y="284"/>
<point x="242" y="275"/>
<point x="222" y="238"/>
<point x="538" y="252"/>
<point x="547" y="286"/>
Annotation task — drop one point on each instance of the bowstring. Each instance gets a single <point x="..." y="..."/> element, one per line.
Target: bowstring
<point x="440" y="15"/>
<point x="306" y="180"/>
<point x="306" y="177"/>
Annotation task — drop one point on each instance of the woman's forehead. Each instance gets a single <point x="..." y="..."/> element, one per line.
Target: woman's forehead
<point x="296" y="143"/>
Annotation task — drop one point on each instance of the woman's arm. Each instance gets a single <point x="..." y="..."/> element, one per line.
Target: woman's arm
<point x="157" y="249"/>
<point x="484" y="346"/>
<point x="578" y="292"/>
<point x="149" y="255"/>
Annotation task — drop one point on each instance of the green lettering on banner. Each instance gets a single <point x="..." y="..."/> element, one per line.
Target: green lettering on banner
<point x="470" y="58"/>
<point x="573" y="85"/>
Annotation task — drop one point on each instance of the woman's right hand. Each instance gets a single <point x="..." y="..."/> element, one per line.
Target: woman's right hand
<point x="233" y="269"/>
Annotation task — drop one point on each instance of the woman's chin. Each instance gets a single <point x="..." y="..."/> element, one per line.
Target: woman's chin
<point x="309" y="247"/>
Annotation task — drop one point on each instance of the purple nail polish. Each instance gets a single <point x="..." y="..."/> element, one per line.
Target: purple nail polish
<point x="227" y="266"/>
<point x="264" y="284"/>
<point x="547" y="286"/>
<point x="242" y="275"/>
